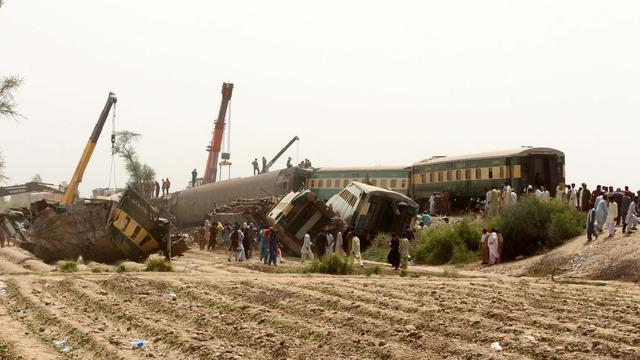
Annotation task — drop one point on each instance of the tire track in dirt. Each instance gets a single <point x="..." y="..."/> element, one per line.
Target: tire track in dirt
<point x="287" y="326"/>
<point x="14" y="345"/>
<point x="224" y="338"/>
<point x="380" y="318"/>
<point x="49" y="327"/>
<point x="566" y="340"/>
<point x="165" y="341"/>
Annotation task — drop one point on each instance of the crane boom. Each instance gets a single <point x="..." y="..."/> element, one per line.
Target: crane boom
<point x="285" y="148"/>
<point x="211" y="168"/>
<point x="71" y="190"/>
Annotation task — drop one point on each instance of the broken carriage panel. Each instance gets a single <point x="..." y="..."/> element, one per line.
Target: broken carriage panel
<point x="299" y="213"/>
<point x="136" y="228"/>
<point x="87" y="228"/>
<point x="370" y="210"/>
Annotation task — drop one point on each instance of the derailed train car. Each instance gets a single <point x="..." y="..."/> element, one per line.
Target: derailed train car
<point x="191" y="206"/>
<point x="370" y="210"/>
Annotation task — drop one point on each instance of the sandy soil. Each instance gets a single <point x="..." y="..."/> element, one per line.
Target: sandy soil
<point x="225" y="310"/>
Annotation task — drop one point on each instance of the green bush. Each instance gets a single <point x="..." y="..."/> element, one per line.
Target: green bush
<point x="158" y="264"/>
<point x="331" y="264"/>
<point x="455" y="243"/>
<point x="530" y="226"/>
<point x="378" y="249"/>
<point x="121" y="268"/>
<point x="373" y="270"/>
<point x="68" y="266"/>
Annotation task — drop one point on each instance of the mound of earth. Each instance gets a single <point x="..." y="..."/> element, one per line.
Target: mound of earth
<point x="604" y="258"/>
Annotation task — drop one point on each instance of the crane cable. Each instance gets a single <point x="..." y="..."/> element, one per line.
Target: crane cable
<point x="112" y="171"/>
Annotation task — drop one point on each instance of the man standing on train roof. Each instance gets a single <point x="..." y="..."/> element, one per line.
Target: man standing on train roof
<point x="264" y="165"/>
<point x="256" y="168"/>
<point x="194" y="176"/>
<point x="157" y="185"/>
<point x="289" y="165"/>
<point x="168" y="185"/>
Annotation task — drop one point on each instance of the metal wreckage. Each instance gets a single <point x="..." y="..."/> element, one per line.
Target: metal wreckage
<point x="127" y="226"/>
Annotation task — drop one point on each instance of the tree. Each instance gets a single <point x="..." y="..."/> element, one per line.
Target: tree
<point x="8" y="85"/>
<point x="138" y="172"/>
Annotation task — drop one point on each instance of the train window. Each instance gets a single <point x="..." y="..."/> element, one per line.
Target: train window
<point x="467" y="174"/>
<point x="383" y="182"/>
<point x="423" y="177"/>
<point x="502" y="172"/>
<point x="329" y="183"/>
<point x="431" y="177"/>
<point x="478" y="173"/>
<point x="403" y="185"/>
<point x="449" y="175"/>
<point x="135" y="233"/>
<point x="439" y="176"/>
<point x="127" y="220"/>
<point x="313" y="183"/>
<point x="458" y="174"/>
<point x="490" y="173"/>
<point x="320" y="183"/>
<point x="394" y="184"/>
<point x="345" y="182"/>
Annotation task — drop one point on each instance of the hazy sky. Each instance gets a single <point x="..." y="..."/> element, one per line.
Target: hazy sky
<point x="361" y="82"/>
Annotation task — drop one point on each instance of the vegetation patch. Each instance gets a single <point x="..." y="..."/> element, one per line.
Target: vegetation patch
<point x="548" y="265"/>
<point x="449" y="243"/>
<point x="624" y="269"/>
<point x="378" y="249"/>
<point x="68" y="266"/>
<point x="158" y="265"/>
<point x="333" y="264"/>
<point x="580" y="282"/>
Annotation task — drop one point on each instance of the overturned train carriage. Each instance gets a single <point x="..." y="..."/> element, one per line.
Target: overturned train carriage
<point x="370" y="210"/>
<point x="191" y="206"/>
<point x="99" y="230"/>
<point x="300" y="213"/>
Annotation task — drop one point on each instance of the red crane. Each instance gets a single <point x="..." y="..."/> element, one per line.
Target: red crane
<point x="211" y="168"/>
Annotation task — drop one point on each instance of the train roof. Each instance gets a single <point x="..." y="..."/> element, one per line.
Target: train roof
<point x="524" y="151"/>
<point x="371" y="189"/>
<point x="362" y="168"/>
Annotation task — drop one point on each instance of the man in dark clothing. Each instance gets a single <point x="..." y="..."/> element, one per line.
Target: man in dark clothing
<point x="256" y="168"/>
<point x="394" y="253"/>
<point x="408" y="233"/>
<point x="157" y="188"/>
<point x="617" y="198"/>
<point x="194" y="176"/>
<point x="594" y="195"/>
<point x="321" y="244"/>
<point x="264" y="165"/>
<point x="213" y="232"/>
<point x="289" y="162"/>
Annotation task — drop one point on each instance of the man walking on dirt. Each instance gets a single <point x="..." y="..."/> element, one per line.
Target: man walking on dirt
<point x="305" y="251"/>
<point x="355" y="249"/>
<point x="484" y="247"/>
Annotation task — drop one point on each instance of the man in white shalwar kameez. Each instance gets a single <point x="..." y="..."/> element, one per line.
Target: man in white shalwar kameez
<point x="601" y="215"/>
<point x="632" y="216"/>
<point x="330" y="243"/>
<point x="573" y="196"/>
<point x="355" y="249"/>
<point x="339" y="248"/>
<point x="546" y="197"/>
<point x="404" y="253"/>
<point x="488" y="200"/>
<point x="493" y="247"/>
<point x="305" y="252"/>
<point x="432" y="204"/>
<point x="514" y="197"/>
<point x="539" y="194"/>
<point x="612" y="214"/>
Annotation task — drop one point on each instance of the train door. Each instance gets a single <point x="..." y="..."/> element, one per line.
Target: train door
<point x="541" y="170"/>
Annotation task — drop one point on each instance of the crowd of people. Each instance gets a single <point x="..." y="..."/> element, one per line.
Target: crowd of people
<point x="257" y="170"/>
<point x="325" y="243"/>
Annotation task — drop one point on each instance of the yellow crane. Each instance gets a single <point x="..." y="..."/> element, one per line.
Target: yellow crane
<point x="71" y="190"/>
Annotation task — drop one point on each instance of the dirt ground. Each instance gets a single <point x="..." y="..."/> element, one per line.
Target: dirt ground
<point x="225" y="310"/>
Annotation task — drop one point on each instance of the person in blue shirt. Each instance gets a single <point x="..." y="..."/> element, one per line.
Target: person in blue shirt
<point x="426" y="219"/>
